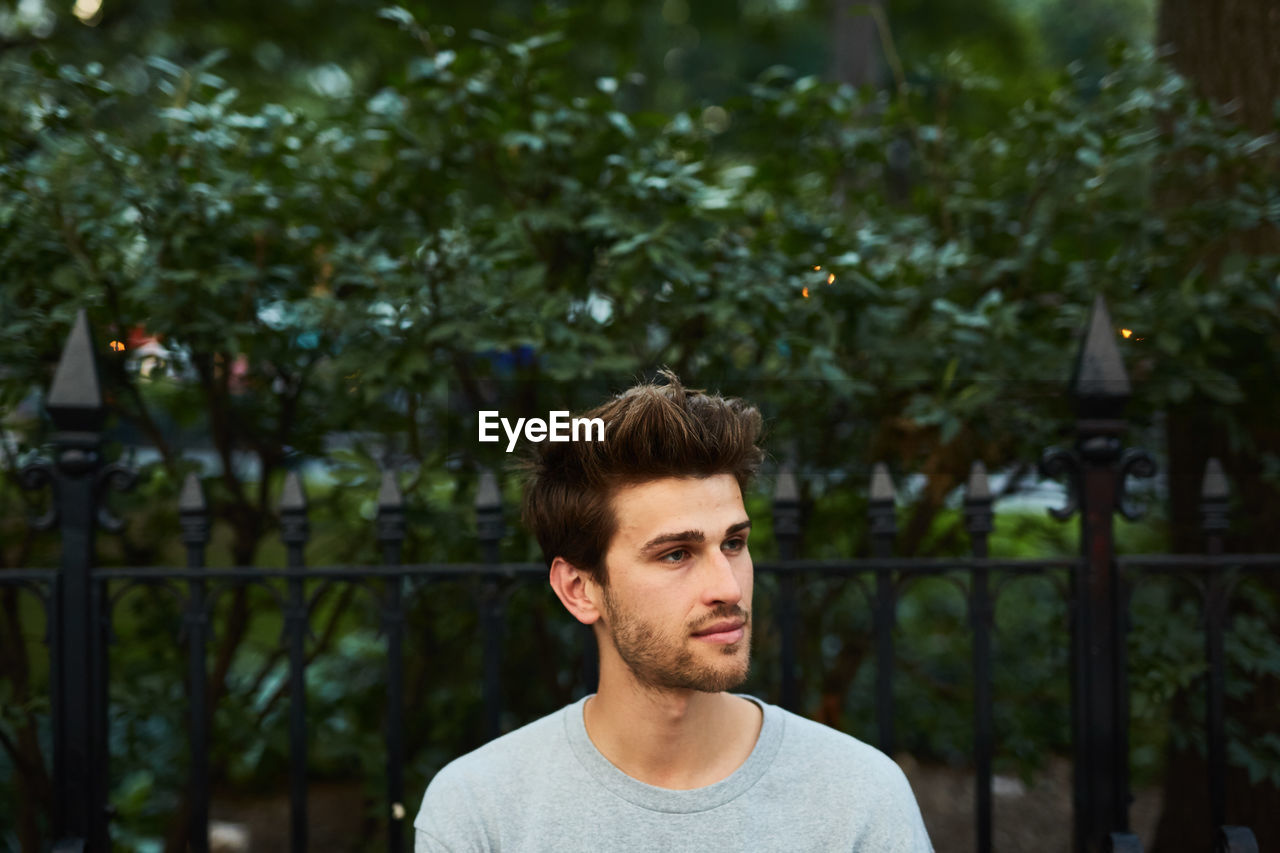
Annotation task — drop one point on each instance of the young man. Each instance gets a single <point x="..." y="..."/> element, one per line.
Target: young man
<point x="645" y="535"/>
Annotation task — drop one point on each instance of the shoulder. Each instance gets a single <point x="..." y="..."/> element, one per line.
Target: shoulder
<point x="524" y="745"/>
<point x="816" y="742"/>
<point x="855" y="775"/>
<point x="469" y="787"/>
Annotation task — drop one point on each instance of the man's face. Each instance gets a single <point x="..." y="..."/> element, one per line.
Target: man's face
<point x="677" y="606"/>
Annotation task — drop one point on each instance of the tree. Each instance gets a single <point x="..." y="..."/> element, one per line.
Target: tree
<point x="478" y="210"/>
<point x="1231" y="53"/>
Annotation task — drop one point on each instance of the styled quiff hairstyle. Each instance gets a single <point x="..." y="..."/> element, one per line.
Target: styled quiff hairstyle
<point x="651" y="431"/>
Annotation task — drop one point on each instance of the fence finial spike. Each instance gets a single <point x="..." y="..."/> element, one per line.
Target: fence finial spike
<point x="881" y="484"/>
<point x="75" y="397"/>
<point x="1099" y="371"/>
<point x="785" y="489"/>
<point x="191" y="499"/>
<point x="488" y="495"/>
<point x="389" y="494"/>
<point x="977" y="489"/>
<point x="293" y="498"/>
<point x="1214" y="487"/>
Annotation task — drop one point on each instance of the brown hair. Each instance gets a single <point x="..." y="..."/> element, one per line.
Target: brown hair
<point x="651" y="431"/>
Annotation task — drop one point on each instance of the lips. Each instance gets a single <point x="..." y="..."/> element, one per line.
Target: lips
<point x="723" y="627"/>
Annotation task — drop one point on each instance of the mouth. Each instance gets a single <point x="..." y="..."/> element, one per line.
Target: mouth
<point x="725" y="632"/>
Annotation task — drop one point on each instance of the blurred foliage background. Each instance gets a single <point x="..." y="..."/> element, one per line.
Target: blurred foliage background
<point x="325" y="235"/>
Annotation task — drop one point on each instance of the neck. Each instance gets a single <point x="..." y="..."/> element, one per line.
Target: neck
<point x="678" y="739"/>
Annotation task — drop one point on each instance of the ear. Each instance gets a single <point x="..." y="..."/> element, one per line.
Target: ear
<point x="576" y="590"/>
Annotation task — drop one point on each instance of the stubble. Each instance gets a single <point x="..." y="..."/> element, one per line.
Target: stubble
<point x="664" y="661"/>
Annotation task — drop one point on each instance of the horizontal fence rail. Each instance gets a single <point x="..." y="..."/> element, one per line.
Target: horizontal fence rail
<point x="204" y="586"/>
<point x="79" y="601"/>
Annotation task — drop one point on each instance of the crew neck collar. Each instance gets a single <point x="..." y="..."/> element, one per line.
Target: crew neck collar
<point x="666" y="799"/>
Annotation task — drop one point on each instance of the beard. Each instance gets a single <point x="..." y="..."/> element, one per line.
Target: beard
<point x="672" y="661"/>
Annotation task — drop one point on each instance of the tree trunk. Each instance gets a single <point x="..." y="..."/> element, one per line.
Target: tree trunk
<point x="855" y="42"/>
<point x="1230" y="50"/>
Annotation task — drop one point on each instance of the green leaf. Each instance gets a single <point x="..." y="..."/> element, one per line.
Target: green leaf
<point x="621" y="122"/>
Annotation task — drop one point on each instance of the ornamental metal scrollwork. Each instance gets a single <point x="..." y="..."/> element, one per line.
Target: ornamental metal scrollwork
<point x="121" y="479"/>
<point x="37" y="475"/>
<point x="1057" y="462"/>
<point x="1137" y="463"/>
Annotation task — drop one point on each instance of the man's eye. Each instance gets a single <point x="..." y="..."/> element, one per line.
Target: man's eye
<point x="735" y="545"/>
<point x="673" y="556"/>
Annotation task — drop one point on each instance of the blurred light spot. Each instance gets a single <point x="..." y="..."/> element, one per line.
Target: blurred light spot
<point x="330" y="80"/>
<point x="831" y="278"/>
<point x="817" y="267"/>
<point x="116" y="346"/>
<point x="805" y="293"/>
<point x="35" y="15"/>
<point x="1126" y="332"/>
<point x="675" y="12"/>
<point x="715" y="119"/>
<point x="600" y="308"/>
<point x="88" y="11"/>
<point x="397" y="811"/>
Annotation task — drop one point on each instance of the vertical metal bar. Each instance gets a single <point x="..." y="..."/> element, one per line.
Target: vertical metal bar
<point x="391" y="529"/>
<point x="293" y="532"/>
<point x="490" y="530"/>
<point x="884" y="528"/>
<point x="1122" y="628"/>
<point x="1100" y="720"/>
<point x="99" y="626"/>
<point x="79" y="666"/>
<point x="979" y="523"/>
<point x="1104" y="729"/>
<point x="491" y="630"/>
<point x="590" y="661"/>
<point x="1214" y="497"/>
<point x="194" y="516"/>
<point x="786" y="529"/>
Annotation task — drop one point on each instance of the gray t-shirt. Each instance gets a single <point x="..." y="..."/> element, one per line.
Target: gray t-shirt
<point x="545" y="787"/>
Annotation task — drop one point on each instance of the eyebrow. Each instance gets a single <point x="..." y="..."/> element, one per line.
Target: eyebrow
<point x="689" y="536"/>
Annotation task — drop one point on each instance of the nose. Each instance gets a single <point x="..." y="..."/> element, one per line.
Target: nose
<point x="723" y="584"/>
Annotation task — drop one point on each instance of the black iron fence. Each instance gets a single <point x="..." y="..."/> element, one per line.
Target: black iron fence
<point x="78" y="599"/>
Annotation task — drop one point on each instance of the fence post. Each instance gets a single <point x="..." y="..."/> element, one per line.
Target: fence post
<point x="391" y="530"/>
<point x="194" y="515"/>
<point x="979" y="521"/>
<point x="884" y="527"/>
<point x="786" y="529"/>
<point x="1097" y="467"/>
<point x="294" y="532"/>
<point x="1214" y="497"/>
<point x="489" y="530"/>
<point x="79" y="656"/>
<point x="1101" y="389"/>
